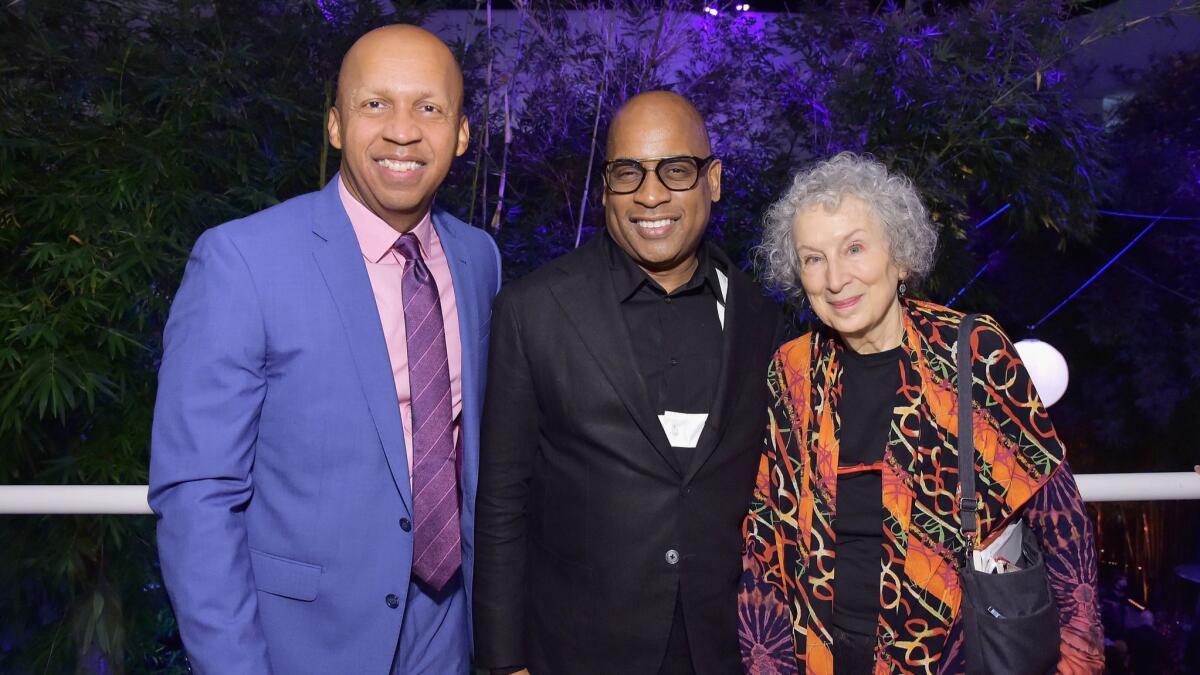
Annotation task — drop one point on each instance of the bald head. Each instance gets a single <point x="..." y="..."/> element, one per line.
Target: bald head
<point x="661" y="110"/>
<point x="660" y="222"/>
<point x="398" y="121"/>
<point x="385" y="43"/>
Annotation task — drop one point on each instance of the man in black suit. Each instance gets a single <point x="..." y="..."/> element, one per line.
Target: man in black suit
<point x="622" y="427"/>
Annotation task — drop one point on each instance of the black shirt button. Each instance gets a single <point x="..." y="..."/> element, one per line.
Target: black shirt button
<point x="392" y="601"/>
<point x="674" y="362"/>
<point x="668" y="299"/>
<point x="406" y="524"/>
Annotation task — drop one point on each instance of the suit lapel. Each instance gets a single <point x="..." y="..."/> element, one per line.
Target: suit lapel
<point x="733" y="366"/>
<point x="588" y="299"/>
<point x="340" y="260"/>
<point x="463" y="276"/>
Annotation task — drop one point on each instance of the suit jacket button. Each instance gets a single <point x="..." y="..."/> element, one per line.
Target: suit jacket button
<point x="406" y="524"/>
<point x="672" y="557"/>
<point x="392" y="601"/>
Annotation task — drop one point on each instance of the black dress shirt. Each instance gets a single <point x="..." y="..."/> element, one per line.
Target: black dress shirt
<point x="677" y="336"/>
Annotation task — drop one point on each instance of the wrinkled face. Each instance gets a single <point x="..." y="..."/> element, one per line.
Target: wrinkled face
<point x="658" y="228"/>
<point x="848" y="275"/>
<point x="398" y="124"/>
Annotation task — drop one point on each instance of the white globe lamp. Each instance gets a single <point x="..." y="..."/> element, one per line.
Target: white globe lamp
<point x="1047" y="368"/>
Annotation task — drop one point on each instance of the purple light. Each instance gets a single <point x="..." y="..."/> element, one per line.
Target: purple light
<point x="328" y="9"/>
<point x="744" y="7"/>
<point x="711" y="10"/>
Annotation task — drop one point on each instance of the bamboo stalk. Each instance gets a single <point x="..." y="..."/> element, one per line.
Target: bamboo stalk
<point x="480" y="155"/>
<point x="487" y="118"/>
<point x="508" y="134"/>
<point x="595" y="132"/>
<point x="651" y="62"/>
<point x="523" y="5"/>
<point x="325" y="135"/>
<point x="503" y="166"/>
<point x="469" y="38"/>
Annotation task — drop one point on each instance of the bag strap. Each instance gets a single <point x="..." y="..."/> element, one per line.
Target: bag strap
<point x="968" y="505"/>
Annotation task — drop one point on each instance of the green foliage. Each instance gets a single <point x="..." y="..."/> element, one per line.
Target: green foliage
<point x="127" y="128"/>
<point x="968" y="102"/>
<point x="564" y="75"/>
<point x="1143" y="316"/>
<point x="1158" y="136"/>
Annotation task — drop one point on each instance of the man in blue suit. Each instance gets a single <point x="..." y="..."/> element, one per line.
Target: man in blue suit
<point x="316" y="434"/>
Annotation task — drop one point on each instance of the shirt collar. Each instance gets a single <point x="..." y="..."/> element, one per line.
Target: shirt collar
<point x="375" y="237"/>
<point x="628" y="278"/>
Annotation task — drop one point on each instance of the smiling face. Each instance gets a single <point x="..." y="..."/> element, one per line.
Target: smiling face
<point x="658" y="228"/>
<point x="848" y="275"/>
<point x="398" y="121"/>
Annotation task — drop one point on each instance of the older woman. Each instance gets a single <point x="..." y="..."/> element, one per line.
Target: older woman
<point x="853" y="535"/>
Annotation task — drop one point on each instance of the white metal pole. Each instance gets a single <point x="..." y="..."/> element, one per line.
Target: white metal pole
<point x="131" y="499"/>
<point x="1132" y="487"/>
<point x="74" y="499"/>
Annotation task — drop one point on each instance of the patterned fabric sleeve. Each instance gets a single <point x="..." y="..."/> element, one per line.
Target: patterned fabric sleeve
<point x="1058" y="516"/>
<point x="765" y="621"/>
<point x="1055" y="512"/>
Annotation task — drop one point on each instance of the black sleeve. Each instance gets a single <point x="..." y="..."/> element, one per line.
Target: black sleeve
<point x="506" y="458"/>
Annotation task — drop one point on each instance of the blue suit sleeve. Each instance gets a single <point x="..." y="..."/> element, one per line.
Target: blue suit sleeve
<point x="211" y="387"/>
<point x="499" y="266"/>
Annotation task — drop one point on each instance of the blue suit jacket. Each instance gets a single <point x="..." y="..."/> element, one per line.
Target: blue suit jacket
<point x="278" y="467"/>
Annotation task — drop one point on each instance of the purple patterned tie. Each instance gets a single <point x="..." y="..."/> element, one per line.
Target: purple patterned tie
<point x="436" y="554"/>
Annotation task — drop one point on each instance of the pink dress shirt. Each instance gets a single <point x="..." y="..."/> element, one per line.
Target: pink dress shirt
<point x="385" y="267"/>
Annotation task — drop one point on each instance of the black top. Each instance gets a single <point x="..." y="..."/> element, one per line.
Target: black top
<point x="869" y="385"/>
<point x="676" y="336"/>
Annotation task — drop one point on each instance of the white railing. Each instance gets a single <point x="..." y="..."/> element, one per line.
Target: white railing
<point x="1136" y="487"/>
<point x="77" y="499"/>
<point x="131" y="499"/>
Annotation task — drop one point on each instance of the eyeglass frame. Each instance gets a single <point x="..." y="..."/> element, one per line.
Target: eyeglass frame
<point x="701" y="162"/>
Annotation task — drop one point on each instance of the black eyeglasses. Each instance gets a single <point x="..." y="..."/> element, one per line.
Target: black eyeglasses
<point x="678" y="174"/>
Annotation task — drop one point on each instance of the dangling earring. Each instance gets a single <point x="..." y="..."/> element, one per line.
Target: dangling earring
<point x="903" y="288"/>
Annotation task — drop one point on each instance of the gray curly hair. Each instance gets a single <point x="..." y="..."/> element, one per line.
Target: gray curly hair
<point x="912" y="237"/>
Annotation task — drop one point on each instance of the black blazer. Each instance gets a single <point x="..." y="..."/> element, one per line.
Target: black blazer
<point x="586" y="524"/>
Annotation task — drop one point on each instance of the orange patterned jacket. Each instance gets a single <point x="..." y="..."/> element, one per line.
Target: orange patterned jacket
<point x="786" y="600"/>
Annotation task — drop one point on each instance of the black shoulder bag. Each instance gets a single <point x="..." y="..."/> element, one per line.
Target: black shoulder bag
<point x="1010" y="624"/>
